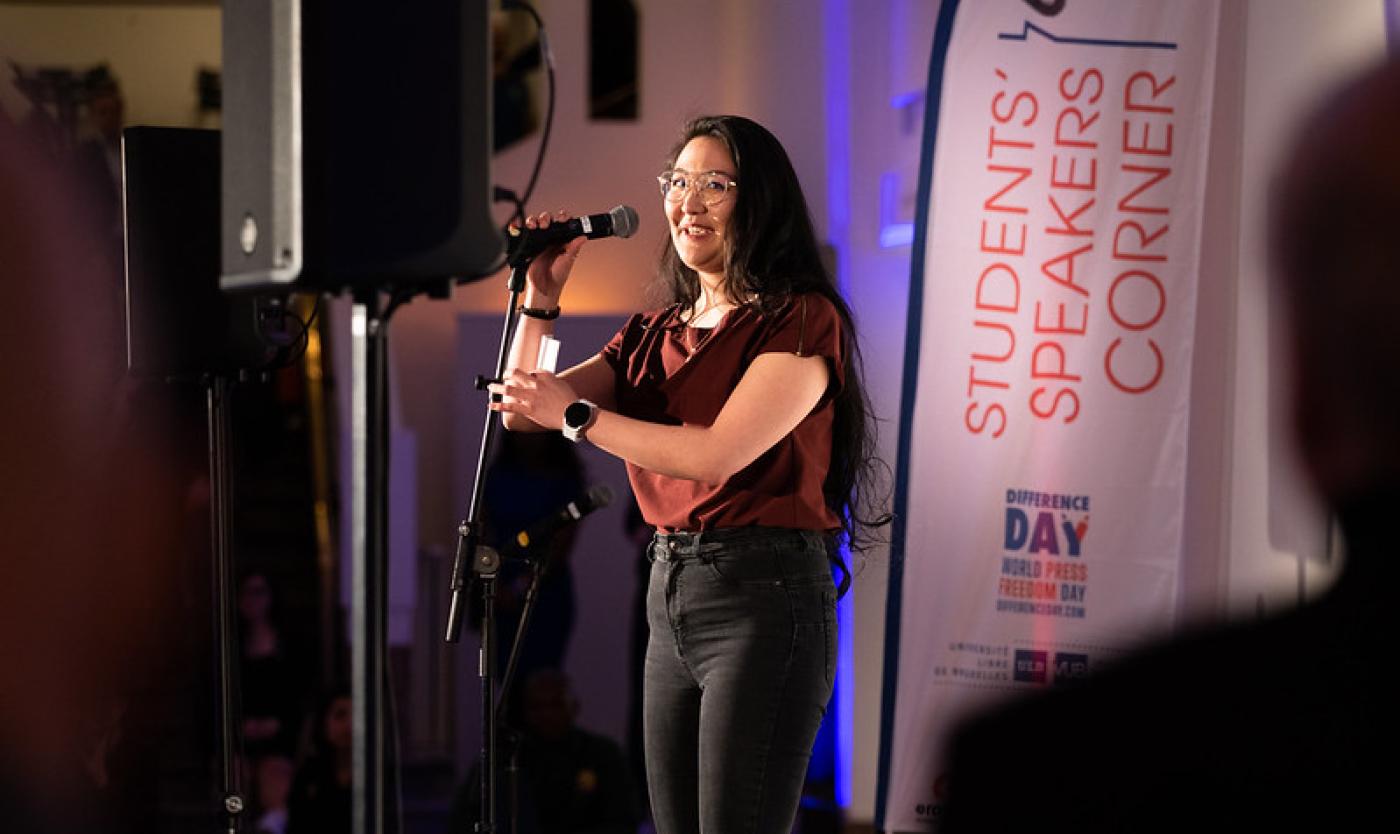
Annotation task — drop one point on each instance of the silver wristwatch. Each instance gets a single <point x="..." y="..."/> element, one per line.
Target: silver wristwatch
<point x="579" y="417"/>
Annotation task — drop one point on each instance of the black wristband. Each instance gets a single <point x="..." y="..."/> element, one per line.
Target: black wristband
<point x="540" y="313"/>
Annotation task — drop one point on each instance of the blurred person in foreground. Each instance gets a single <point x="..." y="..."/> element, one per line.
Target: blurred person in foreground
<point x="99" y="155"/>
<point x="1277" y="725"/>
<point x="89" y="549"/>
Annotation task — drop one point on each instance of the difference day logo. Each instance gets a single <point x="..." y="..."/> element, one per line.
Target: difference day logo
<point x="1043" y="540"/>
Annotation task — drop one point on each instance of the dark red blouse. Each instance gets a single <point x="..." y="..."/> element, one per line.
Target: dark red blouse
<point x="677" y="375"/>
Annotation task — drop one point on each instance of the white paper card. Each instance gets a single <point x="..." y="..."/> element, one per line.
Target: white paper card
<point x="548" y="357"/>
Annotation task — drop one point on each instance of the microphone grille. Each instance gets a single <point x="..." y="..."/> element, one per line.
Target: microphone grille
<point x="624" y="220"/>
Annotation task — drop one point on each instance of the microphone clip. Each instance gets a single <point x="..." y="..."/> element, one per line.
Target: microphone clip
<point x="518" y="254"/>
<point x="487" y="561"/>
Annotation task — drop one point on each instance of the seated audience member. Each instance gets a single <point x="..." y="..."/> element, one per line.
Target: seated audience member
<point x="272" y="786"/>
<point x="270" y="674"/>
<point x="323" y="787"/>
<point x="530" y="478"/>
<point x="1281" y="724"/>
<point x="571" y="781"/>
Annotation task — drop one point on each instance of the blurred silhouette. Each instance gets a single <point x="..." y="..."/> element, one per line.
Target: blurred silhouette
<point x="270" y="677"/>
<point x="1278" y="725"/>
<point x="273" y="692"/>
<point x="515" y="59"/>
<point x="89" y="512"/>
<point x="56" y="97"/>
<point x="530" y="478"/>
<point x="571" y="781"/>
<point x="99" y="154"/>
<point x="272" y="786"/>
<point x="321" y="791"/>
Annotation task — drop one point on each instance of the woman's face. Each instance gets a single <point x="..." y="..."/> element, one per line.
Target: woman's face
<point x="255" y="598"/>
<point x="699" y="231"/>
<point x="339" y="724"/>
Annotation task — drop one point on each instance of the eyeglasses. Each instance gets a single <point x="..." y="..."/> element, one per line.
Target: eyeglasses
<point x="712" y="186"/>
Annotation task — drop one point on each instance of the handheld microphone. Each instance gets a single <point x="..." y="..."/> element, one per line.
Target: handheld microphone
<point x="527" y="243"/>
<point x="595" y="498"/>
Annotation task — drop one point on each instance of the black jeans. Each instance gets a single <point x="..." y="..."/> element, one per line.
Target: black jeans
<point x="738" y="674"/>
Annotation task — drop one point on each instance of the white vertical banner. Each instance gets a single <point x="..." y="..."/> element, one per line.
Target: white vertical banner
<point x="1044" y="432"/>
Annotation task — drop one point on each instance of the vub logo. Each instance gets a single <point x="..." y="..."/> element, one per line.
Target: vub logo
<point x="1070" y="666"/>
<point x="1031" y="666"/>
<point x="1042" y="534"/>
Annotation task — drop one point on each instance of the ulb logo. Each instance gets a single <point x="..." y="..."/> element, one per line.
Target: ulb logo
<point x="1031" y="666"/>
<point x="1070" y="666"/>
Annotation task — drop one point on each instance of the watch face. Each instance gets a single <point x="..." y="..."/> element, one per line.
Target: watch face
<point x="576" y="415"/>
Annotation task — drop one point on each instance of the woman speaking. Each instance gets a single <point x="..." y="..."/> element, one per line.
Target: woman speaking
<point x="739" y="412"/>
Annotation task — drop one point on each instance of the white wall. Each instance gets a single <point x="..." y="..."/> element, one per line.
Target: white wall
<point x="154" y="51"/>
<point x="1295" y="50"/>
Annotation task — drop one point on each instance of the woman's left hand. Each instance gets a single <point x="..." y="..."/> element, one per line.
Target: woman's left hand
<point x="538" y="395"/>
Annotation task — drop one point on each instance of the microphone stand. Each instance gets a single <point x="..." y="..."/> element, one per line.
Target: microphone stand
<point x="485" y="562"/>
<point x="538" y="567"/>
<point x="230" y="727"/>
<point x="369" y="559"/>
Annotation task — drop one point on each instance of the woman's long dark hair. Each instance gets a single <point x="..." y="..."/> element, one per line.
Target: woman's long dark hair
<point x="771" y="254"/>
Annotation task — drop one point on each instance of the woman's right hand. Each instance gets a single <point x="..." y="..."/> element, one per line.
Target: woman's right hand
<point x="549" y="271"/>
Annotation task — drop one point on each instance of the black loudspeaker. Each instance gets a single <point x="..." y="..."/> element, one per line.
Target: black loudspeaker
<point x="178" y="323"/>
<point x="356" y="144"/>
